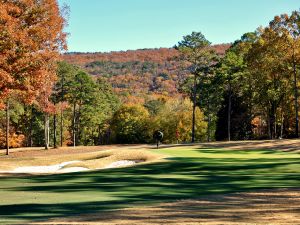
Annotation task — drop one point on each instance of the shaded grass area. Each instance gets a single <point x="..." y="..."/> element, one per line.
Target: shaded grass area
<point x="189" y="173"/>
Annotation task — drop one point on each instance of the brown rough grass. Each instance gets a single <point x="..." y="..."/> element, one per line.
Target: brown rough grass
<point x="279" y="206"/>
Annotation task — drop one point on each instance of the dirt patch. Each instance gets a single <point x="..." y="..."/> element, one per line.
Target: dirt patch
<point x="280" y="206"/>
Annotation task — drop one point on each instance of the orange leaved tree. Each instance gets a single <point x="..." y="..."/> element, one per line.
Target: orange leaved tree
<point x="31" y="38"/>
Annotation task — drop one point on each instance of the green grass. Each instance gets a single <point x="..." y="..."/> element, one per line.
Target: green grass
<point x="188" y="174"/>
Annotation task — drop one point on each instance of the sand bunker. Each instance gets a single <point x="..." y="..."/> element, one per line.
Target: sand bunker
<point x="123" y="163"/>
<point x="60" y="168"/>
<point x="73" y="169"/>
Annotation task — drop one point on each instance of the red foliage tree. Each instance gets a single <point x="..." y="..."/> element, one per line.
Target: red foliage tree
<point x="31" y="38"/>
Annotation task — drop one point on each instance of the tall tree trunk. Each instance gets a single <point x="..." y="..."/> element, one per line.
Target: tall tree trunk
<point x="261" y="126"/>
<point x="275" y="126"/>
<point x="271" y="121"/>
<point x="209" y="121"/>
<point x="281" y="127"/>
<point x="108" y="133"/>
<point x="62" y="112"/>
<point x="229" y="113"/>
<point x="7" y="127"/>
<point x="269" y="125"/>
<point x="74" y="125"/>
<point x="30" y="127"/>
<point x="61" y="127"/>
<point x="78" y="132"/>
<point x="296" y="96"/>
<point x="209" y="129"/>
<point x="54" y="131"/>
<point x="46" y="128"/>
<point x="194" y="107"/>
<point x="99" y="135"/>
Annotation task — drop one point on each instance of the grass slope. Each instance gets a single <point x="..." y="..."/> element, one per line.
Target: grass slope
<point x="189" y="173"/>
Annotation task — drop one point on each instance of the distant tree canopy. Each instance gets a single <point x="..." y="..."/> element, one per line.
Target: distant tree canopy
<point x="135" y="75"/>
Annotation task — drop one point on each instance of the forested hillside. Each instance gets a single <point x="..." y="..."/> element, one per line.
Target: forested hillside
<point x="194" y="91"/>
<point x="140" y="74"/>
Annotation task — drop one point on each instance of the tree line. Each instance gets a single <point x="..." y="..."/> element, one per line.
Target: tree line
<point x="86" y="111"/>
<point x="250" y="92"/>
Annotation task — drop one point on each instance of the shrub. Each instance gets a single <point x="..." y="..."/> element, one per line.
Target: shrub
<point x="15" y="140"/>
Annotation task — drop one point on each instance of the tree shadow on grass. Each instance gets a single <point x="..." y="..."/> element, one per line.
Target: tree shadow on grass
<point x="254" y="207"/>
<point x="179" y="178"/>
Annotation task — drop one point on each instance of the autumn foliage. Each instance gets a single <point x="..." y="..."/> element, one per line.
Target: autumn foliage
<point x="31" y="37"/>
<point x="136" y="74"/>
<point x="15" y="140"/>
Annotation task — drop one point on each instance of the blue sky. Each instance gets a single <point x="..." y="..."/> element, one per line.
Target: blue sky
<point x="113" y="25"/>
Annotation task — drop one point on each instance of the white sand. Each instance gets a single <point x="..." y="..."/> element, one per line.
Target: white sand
<point x="73" y="169"/>
<point x="59" y="168"/>
<point x="46" y="169"/>
<point x="122" y="163"/>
